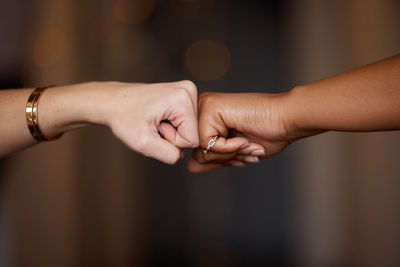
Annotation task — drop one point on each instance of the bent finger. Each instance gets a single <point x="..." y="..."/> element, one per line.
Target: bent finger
<point x="196" y="167"/>
<point x="167" y="131"/>
<point x="185" y="123"/>
<point x="211" y="157"/>
<point x="247" y="158"/>
<point x="253" y="148"/>
<point x="191" y="88"/>
<point x="228" y="145"/>
<point x="160" y="149"/>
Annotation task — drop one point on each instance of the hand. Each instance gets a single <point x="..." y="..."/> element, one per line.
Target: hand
<point x="134" y="112"/>
<point x="249" y="127"/>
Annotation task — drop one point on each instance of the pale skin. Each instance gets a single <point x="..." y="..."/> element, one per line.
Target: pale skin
<point x="364" y="99"/>
<point x="157" y="120"/>
<point x="133" y="112"/>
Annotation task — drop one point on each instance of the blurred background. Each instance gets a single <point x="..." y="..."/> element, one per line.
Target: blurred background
<point x="86" y="200"/>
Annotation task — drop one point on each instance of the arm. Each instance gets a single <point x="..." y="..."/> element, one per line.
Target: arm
<point x="365" y="99"/>
<point x="132" y="111"/>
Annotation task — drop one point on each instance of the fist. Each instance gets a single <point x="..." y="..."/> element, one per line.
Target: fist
<point x="136" y="114"/>
<point x="249" y="127"/>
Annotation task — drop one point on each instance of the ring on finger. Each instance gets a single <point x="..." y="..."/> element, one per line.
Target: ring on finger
<point x="210" y="144"/>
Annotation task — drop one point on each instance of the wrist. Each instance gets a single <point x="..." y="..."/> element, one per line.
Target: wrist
<point x="65" y="108"/>
<point x="92" y="102"/>
<point x="298" y="114"/>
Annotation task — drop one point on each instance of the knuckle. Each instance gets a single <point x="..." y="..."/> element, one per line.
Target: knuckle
<point x="142" y="144"/>
<point x="205" y="158"/>
<point x="205" y="98"/>
<point x="205" y="95"/>
<point x="174" y="158"/>
<point x="182" y="100"/>
<point x="198" y="156"/>
<point x="189" y="85"/>
<point x="181" y="94"/>
<point x="196" y="142"/>
<point x="170" y="156"/>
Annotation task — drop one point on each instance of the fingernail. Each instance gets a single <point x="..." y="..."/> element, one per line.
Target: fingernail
<point x="244" y="146"/>
<point x="258" y="153"/>
<point x="251" y="159"/>
<point x="238" y="164"/>
<point x="253" y="147"/>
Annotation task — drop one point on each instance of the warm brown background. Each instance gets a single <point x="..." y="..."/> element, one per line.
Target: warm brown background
<point x="86" y="200"/>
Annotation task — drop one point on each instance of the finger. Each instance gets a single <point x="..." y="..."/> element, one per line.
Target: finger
<point x="196" y="167"/>
<point x="187" y="131"/>
<point x="211" y="157"/>
<point x="167" y="131"/>
<point x="191" y="89"/>
<point x="235" y="163"/>
<point x="185" y="121"/>
<point x="211" y="122"/>
<point x="253" y="149"/>
<point x="158" y="148"/>
<point x="211" y="125"/>
<point x="247" y="158"/>
<point x="230" y="145"/>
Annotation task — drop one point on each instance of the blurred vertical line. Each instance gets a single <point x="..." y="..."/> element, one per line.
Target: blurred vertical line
<point x="125" y="187"/>
<point x="14" y="18"/>
<point x="212" y="196"/>
<point x="62" y="15"/>
<point x="58" y="194"/>
<point x="321" y="163"/>
<point x="373" y="31"/>
<point x="40" y="193"/>
<point x="110" y="191"/>
<point x="359" y="193"/>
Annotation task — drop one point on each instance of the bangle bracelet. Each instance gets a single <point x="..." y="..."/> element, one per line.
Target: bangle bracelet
<point x="32" y="117"/>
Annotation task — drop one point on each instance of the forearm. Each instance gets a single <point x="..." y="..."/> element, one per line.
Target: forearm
<point x="132" y="111"/>
<point x="14" y="133"/>
<point x="365" y="99"/>
<point x="60" y="109"/>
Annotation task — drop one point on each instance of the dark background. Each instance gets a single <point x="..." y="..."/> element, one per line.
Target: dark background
<point x="86" y="200"/>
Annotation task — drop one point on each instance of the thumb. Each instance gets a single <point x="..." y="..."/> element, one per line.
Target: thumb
<point x="167" y="131"/>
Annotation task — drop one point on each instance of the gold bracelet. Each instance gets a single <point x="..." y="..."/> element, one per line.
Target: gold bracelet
<point x="32" y="117"/>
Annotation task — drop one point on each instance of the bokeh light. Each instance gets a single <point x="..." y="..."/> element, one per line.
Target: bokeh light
<point x="49" y="47"/>
<point x="134" y="11"/>
<point x="207" y="60"/>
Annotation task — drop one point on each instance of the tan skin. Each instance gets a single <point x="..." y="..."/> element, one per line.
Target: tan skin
<point x="364" y="99"/>
<point x="249" y="126"/>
